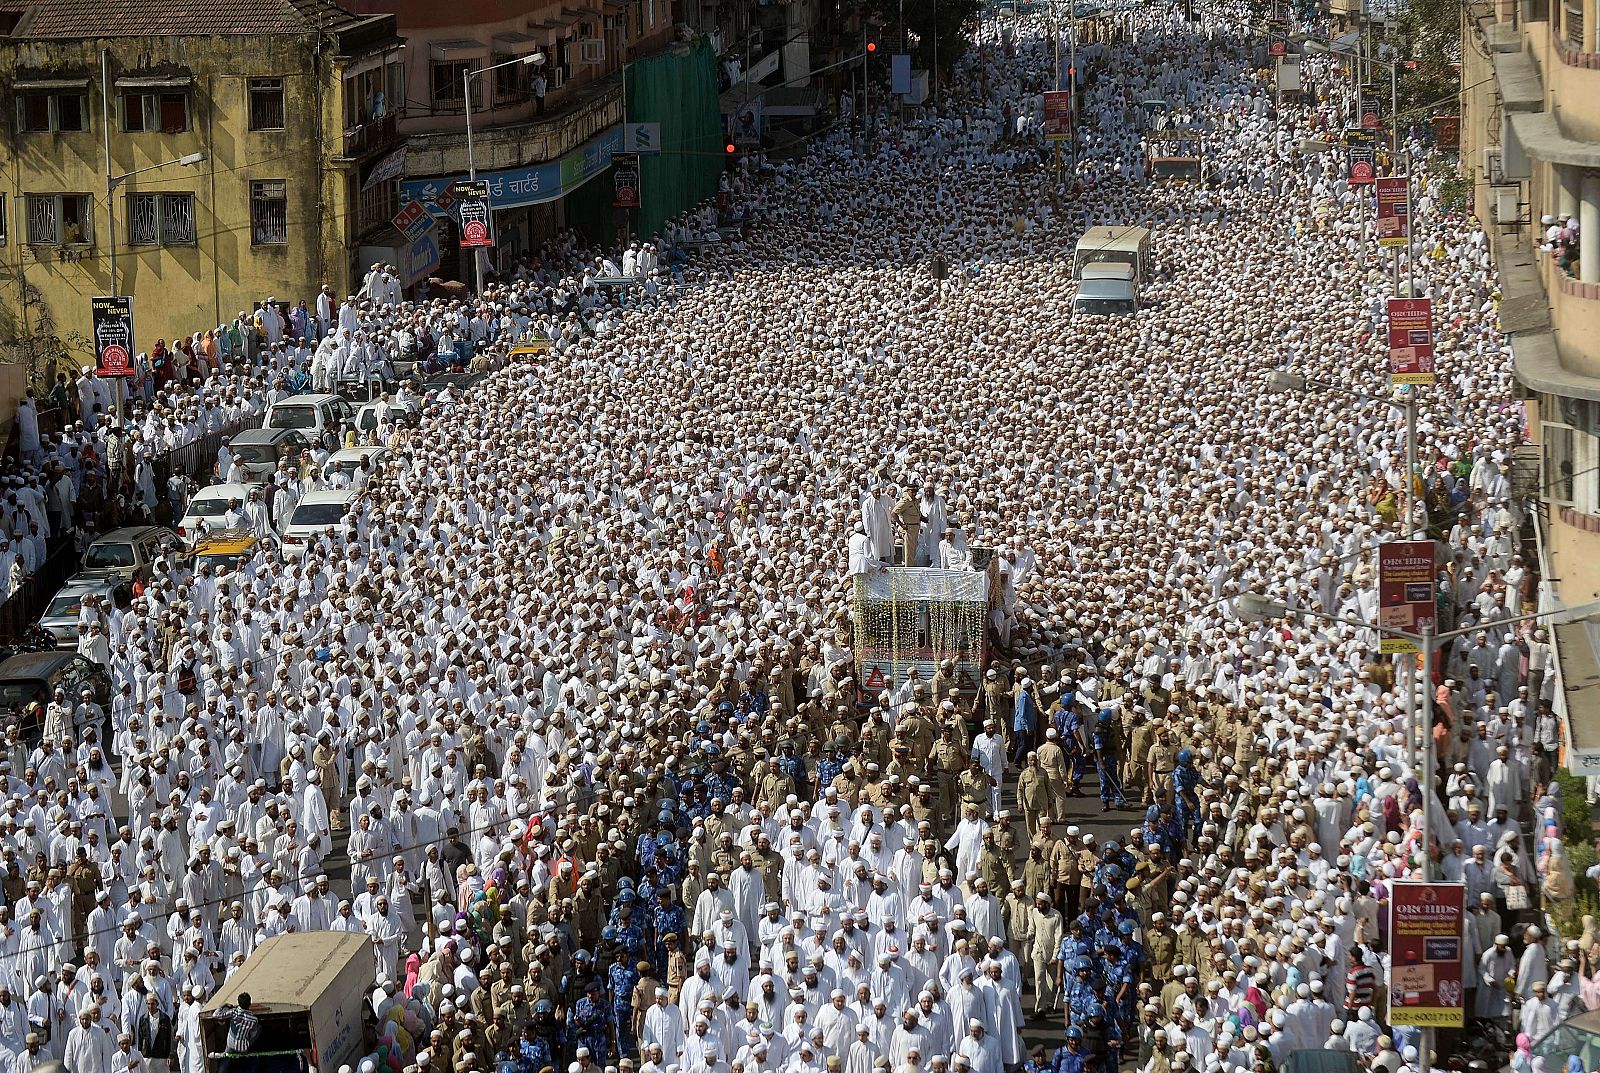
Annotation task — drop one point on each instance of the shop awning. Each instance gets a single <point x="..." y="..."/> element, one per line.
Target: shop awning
<point x="461" y="49"/>
<point x="513" y="43"/>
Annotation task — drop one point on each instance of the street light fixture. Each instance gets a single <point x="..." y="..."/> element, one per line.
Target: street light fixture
<point x="532" y="59"/>
<point x="189" y="160"/>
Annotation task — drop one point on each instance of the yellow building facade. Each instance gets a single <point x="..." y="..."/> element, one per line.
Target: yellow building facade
<point x="1530" y="145"/>
<point x="197" y="166"/>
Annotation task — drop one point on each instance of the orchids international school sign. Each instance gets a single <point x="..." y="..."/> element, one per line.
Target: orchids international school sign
<point x="1425" y="943"/>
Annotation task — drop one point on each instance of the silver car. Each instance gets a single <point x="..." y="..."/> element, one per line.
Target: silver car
<point x="61" y="614"/>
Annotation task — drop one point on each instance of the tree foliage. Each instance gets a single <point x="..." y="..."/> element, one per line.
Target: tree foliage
<point x="934" y="28"/>
<point x="1430" y="53"/>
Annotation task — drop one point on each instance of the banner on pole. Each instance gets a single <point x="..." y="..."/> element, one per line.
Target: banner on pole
<point x="1058" y="114"/>
<point x="1394" y="223"/>
<point x="1361" y="153"/>
<point x="1411" y="341"/>
<point x="1406" y="599"/>
<point x="625" y="180"/>
<point x="471" y="197"/>
<point x="113" y="335"/>
<point x="1279" y="43"/>
<point x="1426" y="977"/>
<point x="1371" y="111"/>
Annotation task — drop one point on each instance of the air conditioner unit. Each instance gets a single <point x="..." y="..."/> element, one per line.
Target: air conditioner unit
<point x="1494" y="165"/>
<point x="592" y="51"/>
<point x="1507" y="204"/>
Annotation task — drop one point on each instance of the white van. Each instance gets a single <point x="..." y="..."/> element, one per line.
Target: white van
<point x="1114" y="245"/>
<point x="1107" y="297"/>
<point x="207" y="507"/>
<point x="313" y="415"/>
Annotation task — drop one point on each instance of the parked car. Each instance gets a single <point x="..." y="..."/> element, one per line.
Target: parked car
<point x="208" y="506"/>
<point x="123" y="552"/>
<point x="61" y="613"/>
<point x="257" y="450"/>
<point x="311" y="414"/>
<point x="315" y="513"/>
<point x="29" y="680"/>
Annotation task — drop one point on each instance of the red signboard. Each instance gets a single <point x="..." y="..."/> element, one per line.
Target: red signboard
<point x="1411" y="341"/>
<point x="1406" y="571"/>
<point x="1426" y="982"/>
<point x="1058" y="114"/>
<point x="1394" y="222"/>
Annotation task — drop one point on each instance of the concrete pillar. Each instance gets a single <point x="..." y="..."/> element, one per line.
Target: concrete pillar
<point x="1567" y="180"/>
<point x="1589" y="229"/>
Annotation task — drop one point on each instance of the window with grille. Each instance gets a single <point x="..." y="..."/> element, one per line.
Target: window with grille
<point x="510" y="82"/>
<point x="151" y="112"/>
<point x="60" y="219"/>
<point x="44" y="220"/>
<point x="447" y="85"/>
<point x="269" y="212"/>
<point x="266" y="104"/>
<point x="1574" y="24"/>
<point x="160" y="219"/>
<point x="377" y="205"/>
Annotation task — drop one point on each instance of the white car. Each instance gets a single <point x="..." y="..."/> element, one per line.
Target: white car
<point x="316" y="513"/>
<point x="349" y="460"/>
<point x="209" y="505"/>
<point x="368" y="416"/>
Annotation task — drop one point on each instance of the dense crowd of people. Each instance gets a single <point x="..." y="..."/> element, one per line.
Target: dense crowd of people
<point x="572" y="692"/>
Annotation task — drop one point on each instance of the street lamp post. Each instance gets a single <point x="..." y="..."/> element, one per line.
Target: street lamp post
<point x="118" y="389"/>
<point x="532" y="58"/>
<point x="1283" y="382"/>
<point x="114" y="181"/>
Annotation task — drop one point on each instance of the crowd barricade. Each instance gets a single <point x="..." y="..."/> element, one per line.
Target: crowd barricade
<point x="22" y="609"/>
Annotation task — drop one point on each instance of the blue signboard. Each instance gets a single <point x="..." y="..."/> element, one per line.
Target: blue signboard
<point x="515" y="187"/>
<point x="421" y="257"/>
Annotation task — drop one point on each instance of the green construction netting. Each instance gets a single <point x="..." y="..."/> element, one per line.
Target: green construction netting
<point x="589" y="210"/>
<point x="680" y="93"/>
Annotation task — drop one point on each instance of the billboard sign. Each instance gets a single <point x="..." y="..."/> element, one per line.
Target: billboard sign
<point x="1361" y="153"/>
<point x="1411" y="341"/>
<point x="471" y="197"/>
<point x="1406" y="572"/>
<point x="1058" y="114"/>
<point x="1394" y="220"/>
<point x="113" y="335"/>
<point x="625" y="181"/>
<point x="1371" y="111"/>
<point x="1426" y="978"/>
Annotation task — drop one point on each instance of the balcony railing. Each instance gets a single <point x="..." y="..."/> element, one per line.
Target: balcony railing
<point x="374" y="134"/>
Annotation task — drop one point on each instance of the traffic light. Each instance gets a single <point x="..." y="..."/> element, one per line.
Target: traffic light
<point x="872" y="47"/>
<point x="730" y="149"/>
